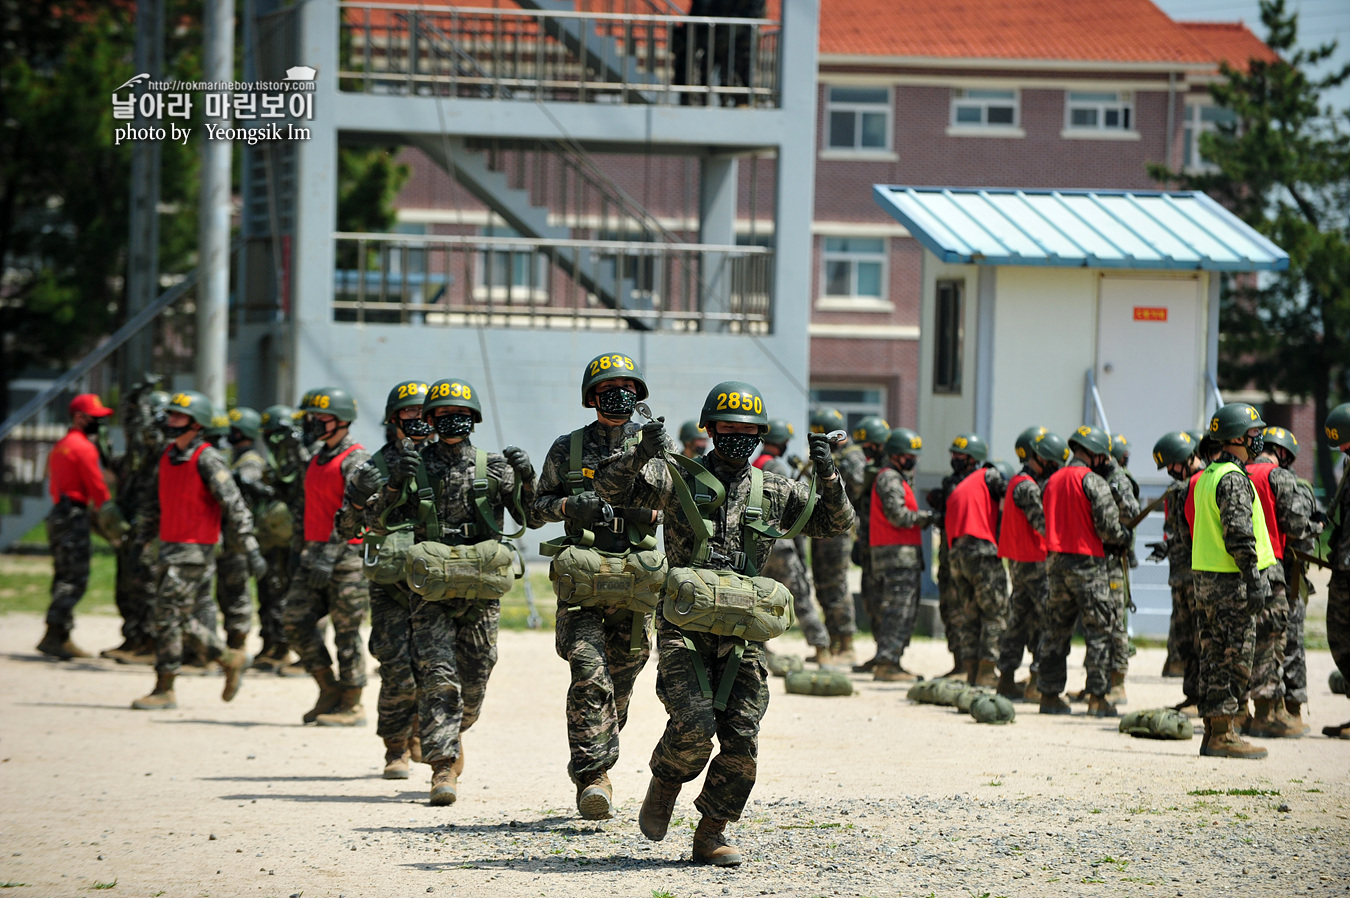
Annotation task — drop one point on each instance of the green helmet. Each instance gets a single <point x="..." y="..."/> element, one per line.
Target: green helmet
<point x="903" y="441"/>
<point x="405" y="394"/>
<point x="779" y="432"/>
<point x="872" y="429"/>
<point x="1278" y="436"/>
<point x="245" y="420"/>
<point x="735" y="401"/>
<point x="1093" y="439"/>
<point x="277" y="417"/>
<point x="1233" y="421"/>
<point x="971" y="444"/>
<point x="220" y="422"/>
<point x="1004" y="468"/>
<point x="1338" y="424"/>
<point x="1173" y="449"/>
<point x="825" y="420"/>
<point x="158" y="401"/>
<point x="333" y="401"/>
<point x="1026" y="442"/>
<point x="690" y="431"/>
<point x="608" y="367"/>
<point x="1120" y="447"/>
<point x="1051" y="447"/>
<point x="453" y="391"/>
<point x="193" y="404"/>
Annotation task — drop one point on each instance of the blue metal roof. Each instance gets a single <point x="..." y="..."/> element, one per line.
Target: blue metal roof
<point x="1079" y="228"/>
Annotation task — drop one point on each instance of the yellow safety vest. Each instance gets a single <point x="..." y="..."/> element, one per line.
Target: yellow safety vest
<point x="1207" y="548"/>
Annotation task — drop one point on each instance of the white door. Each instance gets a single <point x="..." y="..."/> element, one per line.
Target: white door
<point x="1148" y="362"/>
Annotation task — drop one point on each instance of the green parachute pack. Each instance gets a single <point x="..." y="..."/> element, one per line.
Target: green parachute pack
<point x="782" y="665"/>
<point x="940" y="691"/>
<point x="966" y="697"/>
<point x="992" y="708"/>
<point x="1157" y="723"/>
<point x="819" y="682"/>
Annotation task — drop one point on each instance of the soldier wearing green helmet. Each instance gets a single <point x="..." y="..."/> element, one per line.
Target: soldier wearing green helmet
<point x="252" y="468"/>
<point x="1177" y="453"/>
<point x="968" y="451"/>
<point x="870" y="433"/>
<point x="714" y="685"/>
<point x="1337" y="430"/>
<point x="830" y="557"/>
<point x="693" y="439"/>
<point x="1125" y="492"/>
<point x="1021" y="544"/>
<point x="290" y="456"/>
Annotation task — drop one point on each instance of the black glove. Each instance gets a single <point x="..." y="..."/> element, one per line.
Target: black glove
<point x="822" y="457"/>
<point x="320" y="572"/>
<point x="588" y="508"/>
<point x="520" y="463"/>
<point x="1258" y="590"/>
<point x="257" y="565"/>
<point x="403" y="470"/>
<point x="653" y="440"/>
<point x="1159" y="551"/>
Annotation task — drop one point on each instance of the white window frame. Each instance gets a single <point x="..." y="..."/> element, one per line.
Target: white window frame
<point x="857" y="151"/>
<point x="961" y="97"/>
<point x="853" y="301"/>
<point x="515" y="294"/>
<point x="1192" y="126"/>
<point x="1123" y="103"/>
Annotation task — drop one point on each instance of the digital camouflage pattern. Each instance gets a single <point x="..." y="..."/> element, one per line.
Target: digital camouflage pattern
<point x="830" y="557"/>
<point x="1338" y="589"/>
<point x="136" y="471"/>
<point x="1126" y="493"/>
<point x="232" y="595"/>
<point x="979" y="616"/>
<point x="898" y="569"/>
<point x="947" y="597"/>
<point x="68" y="535"/>
<point x="1293" y="516"/>
<point x="1295" y="667"/>
<point x="1030" y="586"/>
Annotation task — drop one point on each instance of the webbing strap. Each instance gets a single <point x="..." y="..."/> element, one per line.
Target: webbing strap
<point x="729" y="676"/>
<point x="482" y="491"/>
<point x="699" y="670"/>
<point x="693" y="511"/>
<point x="426" y="505"/>
<point x="576" y="477"/>
<point x="639" y="629"/>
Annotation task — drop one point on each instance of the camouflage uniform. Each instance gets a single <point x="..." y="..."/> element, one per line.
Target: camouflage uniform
<point x="686" y="744"/>
<point x="1126" y="493"/>
<point x="184" y="571"/>
<point x="947" y="598"/>
<point x="1338" y="589"/>
<point x="68" y="529"/>
<point x="454" y="645"/>
<point x="596" y="643"/>
<point x="786" y="566"/>
<point x="344" y="599"/>
<point x="1079" y="585"/>
<point x="236" y="605"/>
<point x="1293" y="516"/>
<point x="291" y="457"/>
<point x="870" y="585"/>
<point x="1181" y="635"/>
<point x="979" y="617"/>
<point x="136" y="472"/>
<point x="830" y="556"/>
<point x="1030" y="587"/>
<point x="897" y="568"/>
<point x="1295" y="667"/>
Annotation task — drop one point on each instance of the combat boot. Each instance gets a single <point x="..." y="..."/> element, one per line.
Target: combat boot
<point x="867" y="666"/>
<point x="415" y="746"/>
<point x="1008" y="686"/>
<point x="56" y="643"/>
<point x="1029" y="691"/>
<point x="1209" y="731"/>
<point x="444" y="783"/>
<point x="1268" y="723"/>
<point x="1340" y="731"/>
<point x="986" y="674"/>
<point x="1294" y="711"/>
<point x="969" y="671"/>
<point x="595" y="799"/>
<point x="349" y="712"/>
<point x="1116" y="695"/>
<point x="396" y="759"/>
<point x="329" y="694"/>
<point x="1242" y="722"/>
<point x="710" y="844"/>
<point x="1051" y="703"/>
<point x="1100" y="706"/>
<point x="654" y="818"/>
<point x="234" y="662"/>
<point x="142" y="652"/>
<point x="161" y="698"/>
<point x="845" y="656"/>
<point x="111" y="654"/>
<point x="886" y="672"/>
<point x="1224" y="742"/>
<point x="235" y="640"/>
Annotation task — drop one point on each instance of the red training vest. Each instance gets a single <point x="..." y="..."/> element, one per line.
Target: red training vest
<point x="1069" y="529"/>
<point x="971" y="510"/>
<point x="762" y="460"/>
<point x="1017" y="539"/>
<point x="1190" y="501"/>
<point x="1259" y="472"/>
<point x="188" y="513"/>
<point x="323" y="496"/>
<point x="882" y="532"/>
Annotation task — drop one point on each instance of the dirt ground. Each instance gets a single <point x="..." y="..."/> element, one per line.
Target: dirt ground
<point x="867" y="795"/>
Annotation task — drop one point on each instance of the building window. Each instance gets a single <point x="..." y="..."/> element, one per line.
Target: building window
<point x="951" y="331"/>
<point x="984" y="108"/>
<point x="509" y="273"/>
<point x="1100" y="111"/>
<point x="859" y="118"/>
<point x="852" y="401"/>
<point x="1202" y="117"/>
<point x="855" y="267"/>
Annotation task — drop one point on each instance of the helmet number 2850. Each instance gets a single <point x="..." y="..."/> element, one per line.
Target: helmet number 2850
<point x="746" y="401"/>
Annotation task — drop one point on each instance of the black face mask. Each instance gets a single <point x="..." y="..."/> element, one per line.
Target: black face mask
<point x="1103" y="467"/>
<point x="908" y="462"/>
<point x="616" y="403"/>
<point x="1256" y="445"/>
<point x="1175" y="474"/>
<point x="736" y="446"/>
<point x="455" y="425"/>
<point x="416" y="429"/>
<point x="93" y="426"/>
<point x="313" y="429"/>
<point x="962" y="464"/>
<point x="172" y="433"/>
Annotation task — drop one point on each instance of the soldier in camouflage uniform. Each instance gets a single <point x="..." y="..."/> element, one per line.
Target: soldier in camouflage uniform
<point x="1081" y="523"/>
<point x="290" y="457"/>
<point x="1337" y="431"/>
<point x="605" y="648"/>
<point x="1231" y="556"/>
<point x="1125" y="492"/>
<point x="830" y="556"/>
<point x="871" y="435"/>
<point x="688" y="658"/>
<point x="1176" y="451"/>
<point x="785" y="563"/>
<point x="979" y="617"/>
<point x="252" y="469"/>
<point x="390" y="603"/>
<point x="194" y="489"/>
<point x="329" y="581"/>
<point x="895" y="534"/>
<point x="693" y="439"/>
<point x="454" y="643"/>
<point x="962" y="465"/>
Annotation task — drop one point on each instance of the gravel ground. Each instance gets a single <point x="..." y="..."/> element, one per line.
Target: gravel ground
<point x="868" y="795"/>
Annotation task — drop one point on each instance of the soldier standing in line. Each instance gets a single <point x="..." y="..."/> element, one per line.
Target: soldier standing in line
<point x="963" y="463"/>
<point x="830" y="556"/>
<point x="785" y="562"/>
<point x="252" y="467"/>
<point x="290" y="458"/>
<point x="980" y="615"/>
<point x="1081" y="521"/>
<point x="455" y="642"/>
<point x="604" y="647"/>
<point x="391" y="603"/>
<point x="329" y="581"/>
<point x="1021" y="542"/>
<point x="693" y="439"/>
<point x="691" y="661"/>
<point x="1177" y="452"/>
<point x="1337" y="430"/>
<point x="1231" y="557"/>
<point x="870" y="434"/>
<point x="77" y="486"/>
<point x="1125" y="492"/>
<point x="896" y="534"/>
<point x="194" y="492"/>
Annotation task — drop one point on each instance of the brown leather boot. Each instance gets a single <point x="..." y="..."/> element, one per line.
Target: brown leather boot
<point x="396" y="759"/>
<point x="141" y="652"/>
<point x="1100" y="706"/>
<point x="1224" y="742"/>
<point x="986" y="674"/>
<point x="867" y="666"/>
<point x="1294" y="713"/>
<point x="654" y="818"/>
<point x="234" y="662"/>
<point x="885" y="672"/>
<point x="329" y="694"/>
<point x="1116" y="695"/>
<point x="1007" y="685"/>
<point x="846" y="656"/>
<point x="821" y="656"/>
<point x="595" y="798"/>
<point x="56" y="643"/>
<point x="112" y="653"/>
<point x="710" y="844"/>
<point x="415" y="746"/>
<point x="161" y="698"/>
<point x="1051" y="703"/>
<point x="349" y="711"/>
<point x="1268" y="723"/>
<point x="1029" y="691"/>
<point x="444" y="783"/>
<point x="1242" y="722"/>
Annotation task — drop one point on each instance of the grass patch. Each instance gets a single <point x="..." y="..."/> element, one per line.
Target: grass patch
<point x="26" y="583"/>
<point x="1235" y="792"/>
<point x="660" y="893"/>
<point x="13" y="885"/>
<point x="104" y="885"/>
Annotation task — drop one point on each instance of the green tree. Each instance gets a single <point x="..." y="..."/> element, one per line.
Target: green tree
<point x="1283" y="166"/>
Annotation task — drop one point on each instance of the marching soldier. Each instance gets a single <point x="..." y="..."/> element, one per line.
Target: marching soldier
<point x="1125" y="492"/>
<point x="693" y="439"/>
<point x="871" y="434"/>
<point x="251" y="467"/>
<point x="1177" y="452"/>
<point x="1337" y="431"/>
<point x="963" y="463"/>
<point x="895" y="545"/>
<point x="830" y="556"/>
<point x="289" y="458"/>
<point x="980" y="614"/>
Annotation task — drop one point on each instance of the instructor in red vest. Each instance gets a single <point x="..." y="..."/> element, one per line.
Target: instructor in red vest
<point x="980" y="614"/>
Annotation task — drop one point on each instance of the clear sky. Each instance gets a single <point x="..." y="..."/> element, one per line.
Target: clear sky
<point x="1319" y="21"/>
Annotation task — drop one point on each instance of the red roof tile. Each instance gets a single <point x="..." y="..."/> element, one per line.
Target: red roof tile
<point x="1230" y="42"/>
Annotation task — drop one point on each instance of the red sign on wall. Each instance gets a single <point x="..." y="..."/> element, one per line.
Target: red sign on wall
<point x="1150" y="313"/>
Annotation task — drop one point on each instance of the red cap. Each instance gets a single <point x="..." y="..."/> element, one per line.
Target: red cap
<point x="90" y="404"/>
